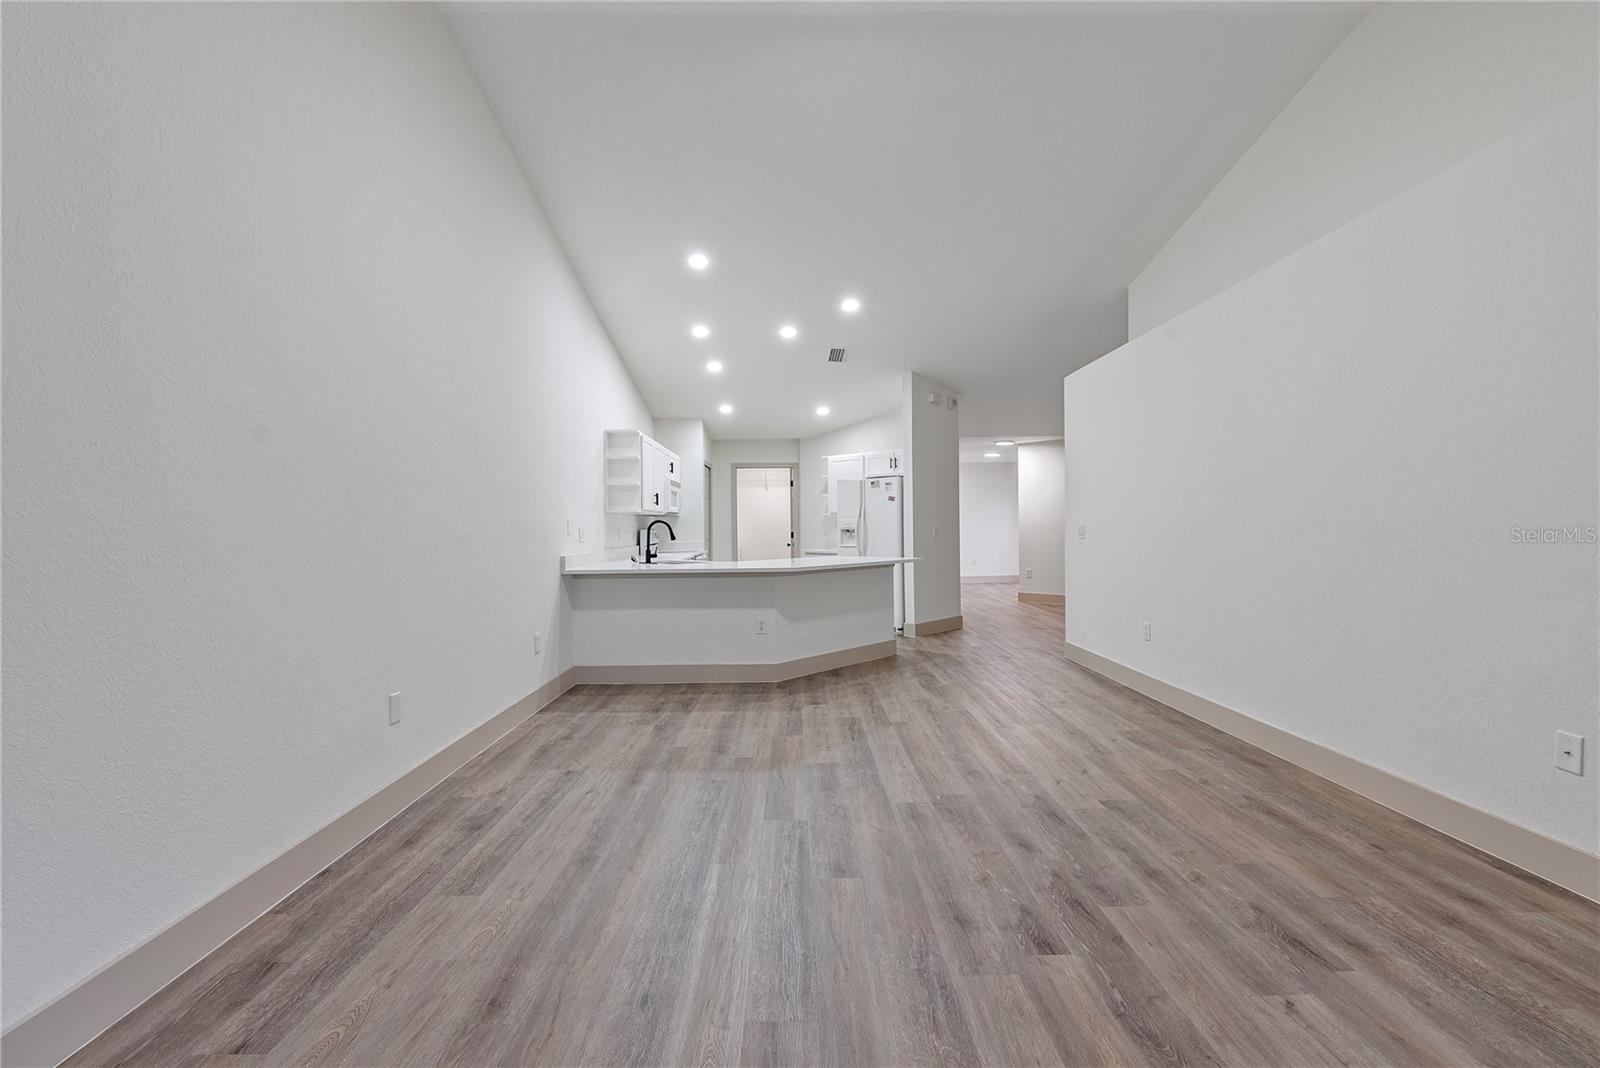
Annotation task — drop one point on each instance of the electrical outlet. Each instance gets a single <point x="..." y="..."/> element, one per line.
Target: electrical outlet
<point x="1083" y="532"/>
<point x="538" y="643"/>
<point x="761" y="625"/>
<point x="936" y="532"/>
<point x="1147" y="630"/>
<point x="394" y="709"/>
<point x="1569" y="752"/>
<point x="1027" y="572"/>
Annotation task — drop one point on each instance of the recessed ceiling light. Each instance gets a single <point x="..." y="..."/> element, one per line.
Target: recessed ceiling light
<point x="725" y="409"/>
<point x="714" y="366"/>
<point x="1003" y="441"/>
<point x="822" y="409"/>
<point x="788" y="332"/>
<point x="849" y="305"/>
<point x="991" y="456"/>
<point x="698" y="261"/>
<point x="700" y="330"/>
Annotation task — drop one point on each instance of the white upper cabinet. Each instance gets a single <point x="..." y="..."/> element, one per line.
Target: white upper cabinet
<point x="879" y="464"/>
<point x="643" y="477"/>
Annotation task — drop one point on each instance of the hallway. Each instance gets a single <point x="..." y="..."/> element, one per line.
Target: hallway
<point x="976" y="853"/>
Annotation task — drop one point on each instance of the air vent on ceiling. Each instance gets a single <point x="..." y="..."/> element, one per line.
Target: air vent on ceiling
<point x="836" y="355"/>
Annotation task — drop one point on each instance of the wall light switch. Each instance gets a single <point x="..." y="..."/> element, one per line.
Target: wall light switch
<point x="580" y="531"/>
<point x="394" y="709"/>
<point x="538" y="643"/>
<point x="1569" y="752"/>
<point x="1147" y="630"/>
<point x="1083" y="532"/>
<point x="569" y="528"/>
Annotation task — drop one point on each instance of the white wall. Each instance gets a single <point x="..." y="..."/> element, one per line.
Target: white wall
<point x="933" y="509"/>
<point x="1312" y="485"/>
<point x="687" y="438"/>
<point x="726" y="453"/>
<point x="1412" y="90"/>
<point x="878" y="434"/>
<point x="763" y="513"/>
<point x="988" y="520"/>
<point x="299" y="392"/>
<point x="1041" y="507"/>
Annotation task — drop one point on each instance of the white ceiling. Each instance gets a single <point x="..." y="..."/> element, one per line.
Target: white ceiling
<point x="986" y="181"/>
<point x="972" y="450"/>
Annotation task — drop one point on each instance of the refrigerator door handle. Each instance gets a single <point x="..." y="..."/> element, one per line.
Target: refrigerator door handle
<point x="861" y="537"/>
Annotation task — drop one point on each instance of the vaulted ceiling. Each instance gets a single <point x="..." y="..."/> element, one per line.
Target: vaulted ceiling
<point x="985" y="179"/>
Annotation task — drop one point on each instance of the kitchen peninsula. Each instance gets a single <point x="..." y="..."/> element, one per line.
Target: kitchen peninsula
<point x="686" y="620"/>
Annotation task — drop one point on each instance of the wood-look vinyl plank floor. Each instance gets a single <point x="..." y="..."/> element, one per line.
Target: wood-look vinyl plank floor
<point x="976" y="853"/>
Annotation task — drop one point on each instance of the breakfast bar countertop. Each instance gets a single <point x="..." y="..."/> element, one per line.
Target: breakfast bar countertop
<point x="680" y="566"/>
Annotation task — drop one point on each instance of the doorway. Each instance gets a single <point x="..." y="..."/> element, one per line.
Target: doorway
<point x="765" y="507"/>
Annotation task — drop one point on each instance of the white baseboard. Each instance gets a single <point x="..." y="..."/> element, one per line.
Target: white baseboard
<point x="997" y="580"/>
<point x="1564" y="865"/>
<point x="645" y="674"/>
<point x="929" y="627"/>
<point x="55" y="1031"/>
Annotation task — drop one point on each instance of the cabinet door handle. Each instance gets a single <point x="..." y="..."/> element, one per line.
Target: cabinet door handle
<point x="657" y="499"/>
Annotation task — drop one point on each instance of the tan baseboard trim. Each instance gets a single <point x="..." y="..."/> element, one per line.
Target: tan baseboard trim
<point x="1042" y="598"/>
<point x="932" y="626"/>
<point x="645" y="674"/>
<point x="997" y="580"/>
<point x="1556" y="862"/>
<point x="54" y="1032"/>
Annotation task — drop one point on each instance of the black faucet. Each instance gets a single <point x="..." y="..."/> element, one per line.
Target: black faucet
<point x="649" y="551"/>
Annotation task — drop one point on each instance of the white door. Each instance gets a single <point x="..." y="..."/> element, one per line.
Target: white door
<point x="654" y="480"/>
<point x="840" y="467"/>
<point x="763" y="510"/>
<point x="705" y="512"/>
<point x="848" y="517"/>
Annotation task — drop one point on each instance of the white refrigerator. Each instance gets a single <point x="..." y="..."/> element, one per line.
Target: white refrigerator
<point x="870" y="523"/>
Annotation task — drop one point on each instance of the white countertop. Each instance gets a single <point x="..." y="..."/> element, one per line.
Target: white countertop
<point x="784" y="566"/>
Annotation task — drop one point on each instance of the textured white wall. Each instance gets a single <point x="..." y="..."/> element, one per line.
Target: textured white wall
<point x="988" y="519"/>
<point x="1311" y="485"/>
<point x="1412" y="90"/>
<point x="933" y="509"/>
<point x="724" y="454"/>
<point x="1041" y="504"/>
<point x="299" y="391"/>
<point x="878" y="434"/>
